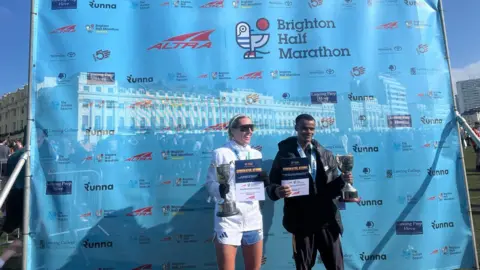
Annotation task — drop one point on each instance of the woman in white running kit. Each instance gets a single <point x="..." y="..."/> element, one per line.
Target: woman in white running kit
<point x="244" y="229"/>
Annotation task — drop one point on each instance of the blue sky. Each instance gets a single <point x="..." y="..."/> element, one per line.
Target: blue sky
<point x="462" y="22"/>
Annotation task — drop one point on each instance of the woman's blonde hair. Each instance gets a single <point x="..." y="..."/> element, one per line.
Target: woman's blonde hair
<point x="233" y="123"/>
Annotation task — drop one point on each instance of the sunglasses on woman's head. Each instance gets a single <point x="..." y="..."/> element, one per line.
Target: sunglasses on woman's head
<point x="245" y="128"/>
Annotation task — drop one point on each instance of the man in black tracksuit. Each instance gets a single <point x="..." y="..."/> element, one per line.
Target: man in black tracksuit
<point x="314" y="220"/>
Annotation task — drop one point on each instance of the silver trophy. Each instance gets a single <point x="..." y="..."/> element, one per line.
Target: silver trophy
<point x="349" y="193"/>
<point x="226" y="208"/>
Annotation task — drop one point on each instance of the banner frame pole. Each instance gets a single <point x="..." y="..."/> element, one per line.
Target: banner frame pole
<point x="462" y="156"/>
<point x="27" y="134"/>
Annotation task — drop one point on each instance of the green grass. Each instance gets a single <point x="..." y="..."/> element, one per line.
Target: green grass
<point x="474" y="190"/>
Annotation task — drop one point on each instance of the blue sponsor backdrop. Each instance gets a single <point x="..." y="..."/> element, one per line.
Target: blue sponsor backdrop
<point x="131" y="97"/>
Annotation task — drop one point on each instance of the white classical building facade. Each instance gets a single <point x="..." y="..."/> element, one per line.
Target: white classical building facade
<point x="13" y="113"/>
<point x="104" y="106"/>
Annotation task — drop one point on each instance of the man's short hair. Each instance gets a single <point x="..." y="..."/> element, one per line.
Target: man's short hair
<point x="304" y="116"/>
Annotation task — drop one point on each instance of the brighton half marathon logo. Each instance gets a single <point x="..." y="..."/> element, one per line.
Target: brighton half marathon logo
<point x="297" y="32"/>
<point x="195" y="40"/>
<point x="247" y="40"/>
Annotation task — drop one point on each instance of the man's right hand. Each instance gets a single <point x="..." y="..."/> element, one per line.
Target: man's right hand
<point x="283" y="191"/>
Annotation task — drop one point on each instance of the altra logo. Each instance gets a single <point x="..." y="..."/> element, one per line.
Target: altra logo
<point x="247" y="40"/>
<point x="213" y="4"/>
<point x="257" y="75"/>
<point x="65" y="29"/>
<point x="143" y="156"/>
<point x="196" y="40"/>
<point x="146" y="211"/>
<point x="390" y="25"/>
<point x="442" y="225"/>
<point x="144" y="267"/>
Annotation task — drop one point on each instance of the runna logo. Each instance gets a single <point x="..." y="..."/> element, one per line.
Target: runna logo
<point x="246" y="40"/>
<point x="132" y="79"/>
<point x="196" y="40"/>
<point x="370" y="203"/>
<point x="372" y="257"/>
<point x="433" y="172"/>
<point x="418" y="3"/>
<point x="362" y="149"/>
<point x="90" y="187"/>
<point x="92" y="4"/>
<point x="103" y="244"/>
<point x="442" y="225"/>
<point x="431" y="121"/>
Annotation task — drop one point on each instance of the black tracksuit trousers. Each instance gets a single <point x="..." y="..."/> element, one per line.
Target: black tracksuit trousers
<point x="326" y="241"/>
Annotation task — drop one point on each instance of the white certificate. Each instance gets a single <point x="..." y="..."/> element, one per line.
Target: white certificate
<point x="250" y="191"/>
<point x="300" y="187"/>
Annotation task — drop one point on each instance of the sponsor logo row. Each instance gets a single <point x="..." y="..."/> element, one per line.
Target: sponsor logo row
<point x="235" y="4"/>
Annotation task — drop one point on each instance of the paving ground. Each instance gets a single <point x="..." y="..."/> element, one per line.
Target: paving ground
<point x="474" y="188"/>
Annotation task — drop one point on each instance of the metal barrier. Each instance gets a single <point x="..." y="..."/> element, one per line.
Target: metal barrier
<point x="13" y="177"/>
<point x="463" y="123"/>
